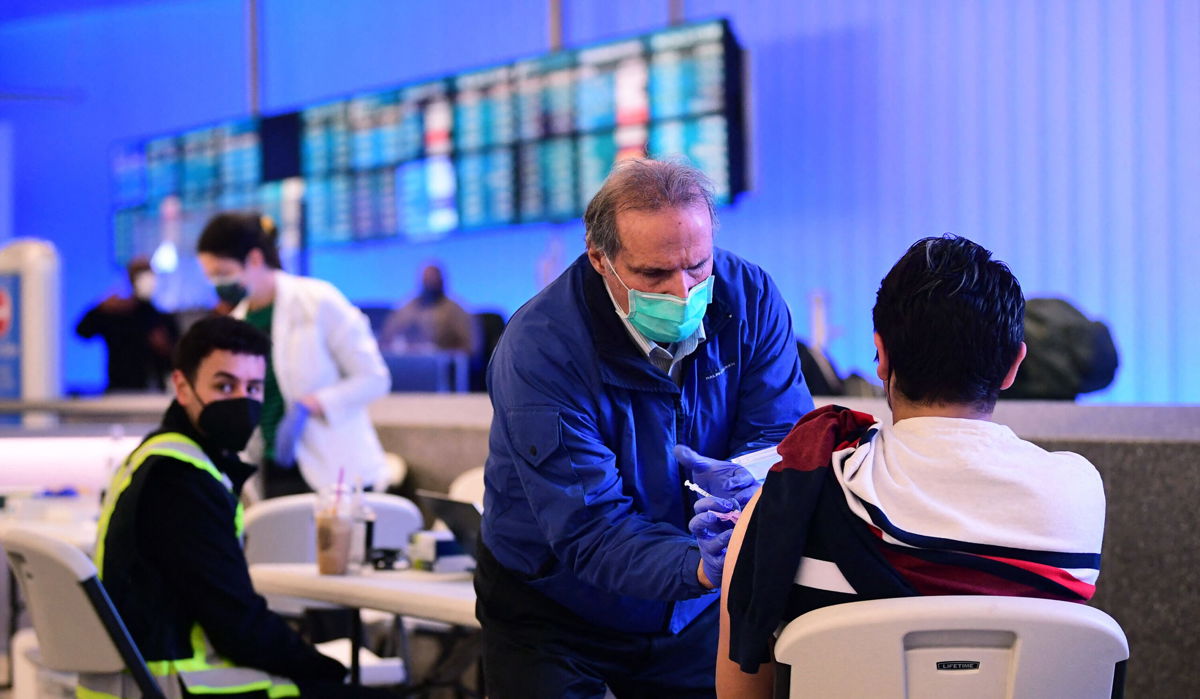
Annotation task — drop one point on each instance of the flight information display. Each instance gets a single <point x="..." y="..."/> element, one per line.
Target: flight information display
<point x="183" y="177"/>
<point x="522" y="142"/>
<point x="527" y="141"/>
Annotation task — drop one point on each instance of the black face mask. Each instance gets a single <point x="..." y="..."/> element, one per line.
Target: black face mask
<point x="231" y="293"/>
<point x="229" y="423"/>
<point x="431" y="294"/>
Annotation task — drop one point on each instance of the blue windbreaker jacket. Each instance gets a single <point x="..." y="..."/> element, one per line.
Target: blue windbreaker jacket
<point x="584" y="500"/>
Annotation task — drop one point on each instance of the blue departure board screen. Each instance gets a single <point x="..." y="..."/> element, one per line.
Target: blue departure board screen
<point x="526" y="141"/>
<point x="164" y="183"/>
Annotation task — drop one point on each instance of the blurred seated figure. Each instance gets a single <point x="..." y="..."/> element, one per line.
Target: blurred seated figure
<point x="431" y="321"/>
<point x="1068" y="353"/>
<point x="938" y="500"/>
<point x="819" y="373"/>
<point x="139" y="336"/>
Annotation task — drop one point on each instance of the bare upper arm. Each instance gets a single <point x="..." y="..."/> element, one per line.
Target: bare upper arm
<point x="731" y="681"/>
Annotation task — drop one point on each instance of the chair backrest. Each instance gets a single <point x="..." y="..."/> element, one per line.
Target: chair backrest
<point x="282" y="530"/>
<point x="435" y="371"/>
<point x="396" y="518"/>
<point x="490" y="326"/>
<point x="396" y="472"/>
<point x="377" y="317"/>
<point x="78" y="628"/>
<point x="954" y="646"/>
<point x="468" y="486"/>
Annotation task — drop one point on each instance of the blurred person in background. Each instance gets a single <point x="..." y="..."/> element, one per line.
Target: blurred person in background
<point x="431" y="321"/>
<point x="324" y="368"/>
<point x="138" y="335"/>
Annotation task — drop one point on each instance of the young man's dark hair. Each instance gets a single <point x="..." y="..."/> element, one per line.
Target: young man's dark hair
<point x="952" y="321"/>
<point x="234" y="234"/>
<point x="218" y="333"/>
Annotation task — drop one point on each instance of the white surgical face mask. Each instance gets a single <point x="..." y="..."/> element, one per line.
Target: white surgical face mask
<point x="144" y="285"/>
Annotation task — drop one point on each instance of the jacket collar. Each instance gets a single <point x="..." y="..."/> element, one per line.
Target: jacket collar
<point x="622" y="362"/>
<point x="176" y="420"/>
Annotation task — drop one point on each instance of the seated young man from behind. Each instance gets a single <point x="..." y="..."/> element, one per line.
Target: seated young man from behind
<point x="940" y="501"/>
<point x="169" y="543"/>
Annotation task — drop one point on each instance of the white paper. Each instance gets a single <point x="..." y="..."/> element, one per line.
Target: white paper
<point x="758" y="463"/>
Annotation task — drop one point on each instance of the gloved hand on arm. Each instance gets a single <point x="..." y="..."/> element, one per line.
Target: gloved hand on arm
<point x="722" y="479"/>
<point x="712" y="532"/>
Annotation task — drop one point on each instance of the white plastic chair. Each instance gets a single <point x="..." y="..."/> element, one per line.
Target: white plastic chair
<point x="396" y="472"/>
<point x="955" y="646"/>
<point x="78" y="628"/>
<point x="283" y="530"/>
<point x="468" y="486"/>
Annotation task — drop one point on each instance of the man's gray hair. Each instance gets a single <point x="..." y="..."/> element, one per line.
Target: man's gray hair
<point x="641" y="184"/>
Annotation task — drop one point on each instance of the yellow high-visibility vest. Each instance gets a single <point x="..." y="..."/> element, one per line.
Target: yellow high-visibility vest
<point x="205" y="672"/>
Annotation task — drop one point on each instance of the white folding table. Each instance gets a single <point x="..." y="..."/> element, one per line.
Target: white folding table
<point x="444" y="597"/>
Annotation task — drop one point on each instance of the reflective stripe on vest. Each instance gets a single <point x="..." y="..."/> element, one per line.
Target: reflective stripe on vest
<point x="205" y="672"/>
<point x="169" y="444"/>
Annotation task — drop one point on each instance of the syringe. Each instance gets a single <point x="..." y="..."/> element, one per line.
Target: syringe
<point x="727" y="516"/>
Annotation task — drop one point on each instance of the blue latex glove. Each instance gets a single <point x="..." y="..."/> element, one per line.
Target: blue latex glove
<point x="723" y="479"/>
<point x="288" y="433"/>
<point x="712" y="534"/>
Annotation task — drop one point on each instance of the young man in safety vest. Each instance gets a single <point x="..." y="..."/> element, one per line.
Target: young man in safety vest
<point x="169" y="544"/>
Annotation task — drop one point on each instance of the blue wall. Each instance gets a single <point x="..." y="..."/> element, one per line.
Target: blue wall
<point x="1063" y="135"/>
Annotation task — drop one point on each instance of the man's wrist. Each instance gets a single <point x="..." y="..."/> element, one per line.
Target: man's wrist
<point x="703" y="577"/>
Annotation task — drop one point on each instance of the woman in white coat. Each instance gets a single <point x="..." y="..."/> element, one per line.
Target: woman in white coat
<point x="324" y="367"/>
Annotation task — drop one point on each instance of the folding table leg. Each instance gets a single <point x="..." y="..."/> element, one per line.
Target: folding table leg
<point x="356" y="633"/>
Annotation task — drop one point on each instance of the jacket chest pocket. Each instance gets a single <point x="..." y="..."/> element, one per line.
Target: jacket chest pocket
<point x="534" y="433"/>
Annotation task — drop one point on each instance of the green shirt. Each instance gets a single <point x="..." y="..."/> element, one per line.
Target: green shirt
<point x="273" y="408"/>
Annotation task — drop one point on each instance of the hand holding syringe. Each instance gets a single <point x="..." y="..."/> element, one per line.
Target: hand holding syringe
<point x="726" y="516"/>
<point x="712" y="526"/>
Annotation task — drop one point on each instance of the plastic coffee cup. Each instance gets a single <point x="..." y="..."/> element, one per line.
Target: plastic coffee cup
<point x="334" y="531"/>
<point x="334" y="515"/>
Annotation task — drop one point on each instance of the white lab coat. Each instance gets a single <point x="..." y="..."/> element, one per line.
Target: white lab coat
<point x="322" y="345"/>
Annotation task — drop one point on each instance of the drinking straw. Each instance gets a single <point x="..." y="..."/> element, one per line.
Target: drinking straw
<point x="337" y="493"/>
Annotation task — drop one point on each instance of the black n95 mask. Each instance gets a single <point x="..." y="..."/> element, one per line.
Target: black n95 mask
<point x="229" y="423"/>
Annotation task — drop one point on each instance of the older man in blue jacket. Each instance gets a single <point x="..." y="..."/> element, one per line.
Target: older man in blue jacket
<point x="588" y="576"/>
